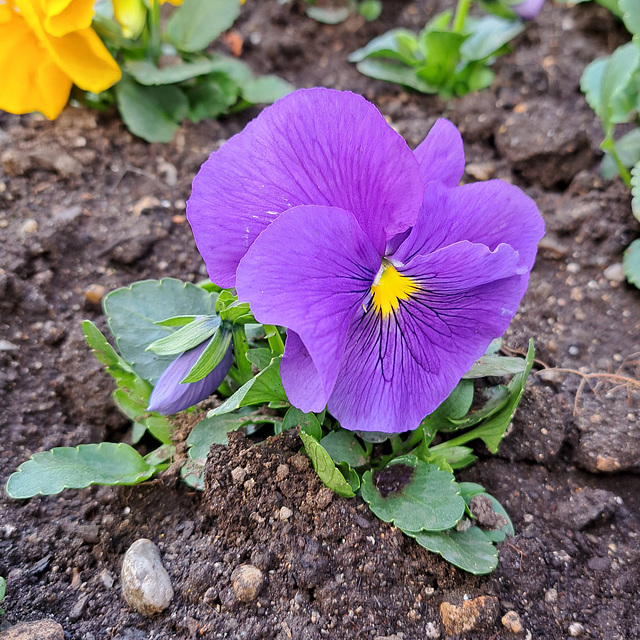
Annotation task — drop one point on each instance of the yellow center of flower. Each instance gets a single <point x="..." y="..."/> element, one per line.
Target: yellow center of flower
<point x="389" y="288"/>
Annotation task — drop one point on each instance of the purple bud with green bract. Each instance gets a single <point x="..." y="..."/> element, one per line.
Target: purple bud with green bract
<point x="170" y="395"/>
<point x="529" y="9"/>
<point x="391" y="279"/>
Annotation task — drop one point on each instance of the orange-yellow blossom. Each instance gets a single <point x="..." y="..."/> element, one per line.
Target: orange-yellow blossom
<point x="46" y="46"/>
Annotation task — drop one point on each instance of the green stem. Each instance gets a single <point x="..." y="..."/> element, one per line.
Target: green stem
<point x="608" y="145"/>
<point x="155" y="36"/>
<point x="240" y="349"/>
<point x="462" y="9"/>
<point x="399" y="448"/>
<point x="274" y="338"/>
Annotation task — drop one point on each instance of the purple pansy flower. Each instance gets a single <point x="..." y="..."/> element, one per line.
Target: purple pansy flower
<point x="390" y="278"/>
<point x="529" y="9"/>
<point x="170" y="395"/>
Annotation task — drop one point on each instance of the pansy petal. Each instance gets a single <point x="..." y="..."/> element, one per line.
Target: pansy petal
<point x="489" y="213"/>
<point x="399" y="368"/>
<point x="85" y="59"/>
<point x="300" y="377"/>
<point x="310" y="271"/>
<point x="64" y="16"/>
<point x="31" y="81"/>
<point x="170" y="395"/>
<point x="441" y="154"/>
<point x="312" y="147"/>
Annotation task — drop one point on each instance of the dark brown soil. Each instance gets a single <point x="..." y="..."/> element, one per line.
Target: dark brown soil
<point x="83" y="203"/>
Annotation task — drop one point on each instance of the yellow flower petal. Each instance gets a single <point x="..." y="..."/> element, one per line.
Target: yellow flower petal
<point x="131" y="15"/>
<point x="64" y="16"/>
<point x="83" y="57"/>
<point x="31" y="81"/>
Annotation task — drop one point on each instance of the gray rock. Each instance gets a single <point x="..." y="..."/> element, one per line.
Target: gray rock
<point x="609" y="433"/>
<point x="587" y="506"/>
<point x="38" y="630"/>
<point x="145" y="582"/>
<point x="562" y="150"/>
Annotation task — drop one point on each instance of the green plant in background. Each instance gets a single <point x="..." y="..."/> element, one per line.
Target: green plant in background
<point x="451" y="56"/>
<point x="611" y="85"/>
<point x="335" y="13"/>
<point x="3" y="590"/>
<point x="167" y="75"/>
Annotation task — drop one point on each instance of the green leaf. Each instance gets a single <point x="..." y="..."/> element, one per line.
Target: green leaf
<point x="214" y="430"/>
<point x="176" y="321"/>
<point x="102" y="350"/>
<point x="3" y="588"/>
<point x="49" y="472"/>
<point x="635" y="186"/>
<point x="211" y="357"/>
<point x="617" y="74"/>
<point x="328" y="15"/>
<point x="325" y="467"/>
<point x="350" y="475"/>
<point x="151" y="113"/>
<point x="197" y="23"/>
<point x="630" y="10"/>
<point x="264" y="387"/>
<point x="148" y="74"/>
<point x="496" y="398"/>
<point x="628" y="149"/>
<point x="187" y="337"/>
<point x="370" y="10"/>
<point x="343" y="446"/>
<point x="308" y="422"/>
<point x="488" y="35"/>
<point x="496" y="366"/>
<point x="469" y="550"/>
<point x="393" y="72"/>
<point x="266" y="89"/>
<point x="134" y="311"/>
<point x="631" y="263"/>
<point x="212" y="95"/>
<point x="459" y="401"/>
<point x="442" y="56"/>
<point x="398" y="44"/>
<point x="453" y="457"/>
<point x="260" y="357"/>
<point x="591" y="83"/>
<point x="416" y="496"/>
<point x="493" y="428"/>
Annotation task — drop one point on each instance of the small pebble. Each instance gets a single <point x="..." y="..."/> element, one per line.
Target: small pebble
<point x="29" y="226"/>
<point x="576" y="630"/>
<point x="94" y="293"/>
<point x="247" y="581"/>
<point x="145" y="582"/>
<point x="511" y="620"/>
<point x="285" y="513"/>
<point x="615" y="272"/>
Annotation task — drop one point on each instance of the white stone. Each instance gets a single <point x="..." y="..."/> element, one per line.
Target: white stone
<point x="145" y="582"/>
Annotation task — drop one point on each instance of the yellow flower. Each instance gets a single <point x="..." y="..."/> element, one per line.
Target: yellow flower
<point x="132" y="14"/>
<point x="46" y="46"/>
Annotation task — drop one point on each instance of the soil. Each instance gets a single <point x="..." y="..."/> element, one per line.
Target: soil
<point x="85" y="207"/>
